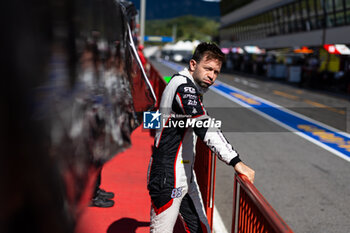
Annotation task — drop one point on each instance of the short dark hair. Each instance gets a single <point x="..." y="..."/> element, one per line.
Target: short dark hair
<point x="210" y="50"/>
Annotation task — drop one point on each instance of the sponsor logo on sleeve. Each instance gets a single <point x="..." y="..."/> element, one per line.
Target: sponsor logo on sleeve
<point x="192" y="102"/>
<point x="189" y="90"/>
<point x="189" y="96"/>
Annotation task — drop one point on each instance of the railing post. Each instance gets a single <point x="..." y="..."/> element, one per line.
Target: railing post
<point x="205" y="168"/>
<point x="234" y="211"/>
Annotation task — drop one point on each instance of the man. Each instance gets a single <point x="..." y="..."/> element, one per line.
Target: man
<point x="172" y="183"/>
<point x="101" y="198"/>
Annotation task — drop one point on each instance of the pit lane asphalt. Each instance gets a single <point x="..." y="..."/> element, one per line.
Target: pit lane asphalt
<point x="307" y="185"/>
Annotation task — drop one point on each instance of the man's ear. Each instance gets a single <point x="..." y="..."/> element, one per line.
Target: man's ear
<point x="193" y="65"/>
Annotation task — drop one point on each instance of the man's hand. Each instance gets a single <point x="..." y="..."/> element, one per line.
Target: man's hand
<point x="241" y="168"/>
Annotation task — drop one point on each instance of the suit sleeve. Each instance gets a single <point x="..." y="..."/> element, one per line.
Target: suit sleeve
<point x="188" y="101"/>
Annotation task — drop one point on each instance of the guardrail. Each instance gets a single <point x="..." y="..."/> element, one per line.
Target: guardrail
<point x="205" y="168"/>
<point x="251" y="212"/>
<point x="157" y="82"/>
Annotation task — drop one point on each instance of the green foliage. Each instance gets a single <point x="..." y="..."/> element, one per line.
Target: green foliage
<point x="188" y="28"/>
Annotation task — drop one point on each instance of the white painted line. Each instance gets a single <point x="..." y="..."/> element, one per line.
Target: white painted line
<point x="337" y="153"/>
<point x="253" y="85"/>
<point x="283" y="108"/>
<point x="218" y="224"/>
<point x="245" y="82"/>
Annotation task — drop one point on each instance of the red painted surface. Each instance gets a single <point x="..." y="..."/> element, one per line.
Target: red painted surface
<point x="126" y="176"/>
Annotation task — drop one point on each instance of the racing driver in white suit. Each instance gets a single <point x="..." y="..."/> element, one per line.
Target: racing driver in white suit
<point x="172" y="182"/>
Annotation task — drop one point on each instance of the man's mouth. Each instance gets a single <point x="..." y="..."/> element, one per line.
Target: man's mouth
<point x="208" y="82"/>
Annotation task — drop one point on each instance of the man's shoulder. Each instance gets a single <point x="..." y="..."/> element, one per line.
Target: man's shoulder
<point x="183" y="79"/>
<point x="187" y="86"/>
<point x="178" y="80"/>
<point x="175" y="82"/>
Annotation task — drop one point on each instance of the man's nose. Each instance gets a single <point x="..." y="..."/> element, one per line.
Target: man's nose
<point x="211" y="75"/>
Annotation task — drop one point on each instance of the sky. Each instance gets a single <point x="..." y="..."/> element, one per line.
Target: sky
<point x="163" y="9"/>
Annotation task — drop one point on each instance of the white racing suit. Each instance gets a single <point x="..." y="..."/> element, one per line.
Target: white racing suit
<point x="172" y="182"/>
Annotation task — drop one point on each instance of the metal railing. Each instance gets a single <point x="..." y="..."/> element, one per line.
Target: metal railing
<point x="205" y="168"/>
<point x="157" y="82"/>
<point x="251" y="212"/>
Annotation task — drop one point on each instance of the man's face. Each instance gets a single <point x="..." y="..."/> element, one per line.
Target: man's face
<point x="206" y="71"/>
